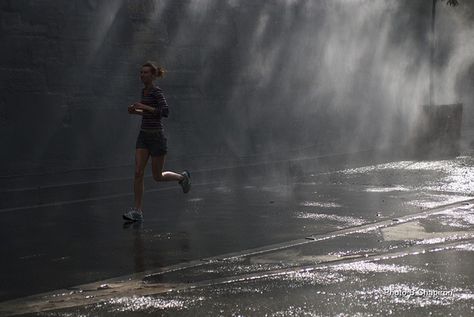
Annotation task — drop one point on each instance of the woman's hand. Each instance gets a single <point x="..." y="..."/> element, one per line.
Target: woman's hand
<point x="142" y="108"/>
<point x="132" y="109"/>
<point x="138" y="106"/>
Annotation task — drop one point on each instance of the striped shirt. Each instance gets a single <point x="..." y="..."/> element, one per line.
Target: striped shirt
<point x="155" y="99"/>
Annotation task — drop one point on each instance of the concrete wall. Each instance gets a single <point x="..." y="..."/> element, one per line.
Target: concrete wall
<point x="68" y="70"/>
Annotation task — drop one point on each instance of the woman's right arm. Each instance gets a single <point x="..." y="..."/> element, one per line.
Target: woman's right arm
<point x="133" y="110"/>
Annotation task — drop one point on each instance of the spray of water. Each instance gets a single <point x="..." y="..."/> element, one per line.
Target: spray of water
<point x="276" y="77"/>
<point x="335" y="75"/>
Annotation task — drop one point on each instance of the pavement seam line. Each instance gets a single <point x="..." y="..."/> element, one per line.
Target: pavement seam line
<point x="412" y="250"/>
<point x="98" y="198"/>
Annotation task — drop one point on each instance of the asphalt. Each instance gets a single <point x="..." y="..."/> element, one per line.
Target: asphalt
<point x="379" y="237"/>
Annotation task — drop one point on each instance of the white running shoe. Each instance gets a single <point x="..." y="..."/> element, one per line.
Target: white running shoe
<point x="133" y="214"/>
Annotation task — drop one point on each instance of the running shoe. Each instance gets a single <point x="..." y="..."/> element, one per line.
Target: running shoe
<point x="186" y="182"/>
<point x="133" y="214"/>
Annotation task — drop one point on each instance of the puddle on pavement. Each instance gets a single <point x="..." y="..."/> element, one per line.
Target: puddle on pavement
<point x="346" y="221"/>
<point x="365" y="267"/>
<point x="311" y="277"/>
<point x="141" y="303"/>
<point x="387" y="189"/>
<point x="222" y="189"/>
<point x="455" y="175"/>
<point x="466" y="247"/>
<point x="461" y="217"/>
<point x="320" y="204"/>
<point x="435" y="200"/>
<point x="195" y="200"/>
<point x="385" y="166"/>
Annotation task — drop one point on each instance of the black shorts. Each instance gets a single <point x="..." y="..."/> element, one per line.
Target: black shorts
<point x="153" y="140"/>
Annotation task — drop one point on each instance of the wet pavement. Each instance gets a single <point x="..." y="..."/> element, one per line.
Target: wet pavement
<point x="390" y="238"/>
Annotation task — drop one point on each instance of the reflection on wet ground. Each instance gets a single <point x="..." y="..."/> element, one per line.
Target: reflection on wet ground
<point x="389" y="239"/>
<point x="421" y="283"/>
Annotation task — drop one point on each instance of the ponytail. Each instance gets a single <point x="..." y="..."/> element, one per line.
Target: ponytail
<point x="160" y="72"/>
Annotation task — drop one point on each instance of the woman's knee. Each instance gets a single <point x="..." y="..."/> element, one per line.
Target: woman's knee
<point x="139" y="173"/>
<point x="158" y="177"/>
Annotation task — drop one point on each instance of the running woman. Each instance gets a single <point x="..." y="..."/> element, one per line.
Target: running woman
<point x="151" y="140"/>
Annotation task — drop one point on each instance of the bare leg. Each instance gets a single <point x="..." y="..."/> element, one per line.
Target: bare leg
<point x="157" y="164"/>
<point x="141" y="158"/>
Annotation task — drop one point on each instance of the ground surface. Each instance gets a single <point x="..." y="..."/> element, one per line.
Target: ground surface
<point x="391" y="238"/>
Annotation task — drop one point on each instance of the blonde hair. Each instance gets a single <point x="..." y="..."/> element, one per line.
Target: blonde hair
<point x="158" y="71"/>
